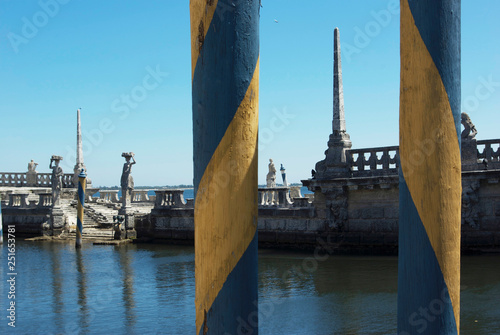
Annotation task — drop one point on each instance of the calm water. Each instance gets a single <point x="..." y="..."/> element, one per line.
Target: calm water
<point x="149" y="289"/>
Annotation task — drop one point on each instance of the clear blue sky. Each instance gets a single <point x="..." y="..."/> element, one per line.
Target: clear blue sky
<point x="90" y="54"/>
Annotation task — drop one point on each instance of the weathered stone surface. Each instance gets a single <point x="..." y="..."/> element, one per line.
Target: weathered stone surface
<point x="385" y="225"/>
<point x="162" y="223"/>
<point x="182" y="223"/>
<point x="295" y="225"/>
<point x="391" y="212"/>
<point x="372" y="213"/>
<point x="275" y="224"/>
<point x="315" y="225"/>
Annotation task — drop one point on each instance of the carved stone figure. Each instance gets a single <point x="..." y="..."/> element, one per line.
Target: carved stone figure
<point x="271" y="175"/>
<point x="469" y="131"/>
<point x="337" y="204"/>
<point x="127" y="181"/>
<point x="32" y="166"/>
<point x="56" y="179"/>
<point x="31" y="174"/>
<point x="470" y="204"/>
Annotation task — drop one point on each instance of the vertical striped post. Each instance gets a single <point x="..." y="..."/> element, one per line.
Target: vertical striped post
<point x="81" y="202"/>
<point x="430" y="173"/>
<point x="225" y="81"/>
<point x="1" y="222"/>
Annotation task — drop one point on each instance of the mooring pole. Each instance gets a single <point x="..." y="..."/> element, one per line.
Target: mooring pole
<point x="81" y="202"/>
<point x="430" y="170"/>
<point x="225" y="81"/>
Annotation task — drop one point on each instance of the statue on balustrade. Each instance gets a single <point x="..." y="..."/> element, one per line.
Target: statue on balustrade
<point x="271" y="175"/>
<point x="32" y="166"/>
<point x="127" y="181"/>
<point x="56" y="180"/>
<point x="31" y="174"/>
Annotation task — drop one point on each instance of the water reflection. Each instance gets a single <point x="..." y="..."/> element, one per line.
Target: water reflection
<point x="131" y="289"/>
<point x="124" y="256"/>
<point x="54" y="250"/>
<point x="82" y="290"/>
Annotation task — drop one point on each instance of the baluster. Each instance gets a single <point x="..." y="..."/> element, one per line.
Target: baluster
<point x="488" y="153"/>
<point x="360" y="162"/>
<point x="373" y="160"/>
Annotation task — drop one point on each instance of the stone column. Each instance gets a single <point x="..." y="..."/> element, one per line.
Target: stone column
<point x="79" y="152"/>
<point x="334" y="164"/>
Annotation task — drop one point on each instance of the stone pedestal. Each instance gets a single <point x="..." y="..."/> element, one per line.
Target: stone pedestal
<point x="127" y="227"/>
<point x="58" y="221"/>
<point x="31" y="178"/>
<point x="469" y="154"/>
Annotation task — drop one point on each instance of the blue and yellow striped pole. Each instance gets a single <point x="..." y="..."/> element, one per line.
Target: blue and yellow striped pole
<point x="81" y="202"/>
<point x="225" y="80"/>
<point x="430" y="174"/>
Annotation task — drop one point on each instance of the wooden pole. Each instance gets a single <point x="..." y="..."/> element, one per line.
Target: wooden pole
<point x="225" y="81"/>
<point x="80" y="206"/>
<point x="430" y="173"/>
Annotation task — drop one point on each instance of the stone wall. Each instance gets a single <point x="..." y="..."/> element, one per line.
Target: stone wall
<point x="28" y="221"/>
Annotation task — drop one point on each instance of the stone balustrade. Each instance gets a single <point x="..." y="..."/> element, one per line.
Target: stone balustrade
<point x="373" y="161"/>
<point x="17" y="179"/>
<point x="486" y="151"/>
<point x="20" y="200"/>
<point x="45" y="200"/>
<point x="140" y="196"/>
<point x="89" y="192"/>
<point x="172" y="198"/>
<point x="274" y="196"/>
<point x="109" y="196"/>
<point x="12" y="179"/>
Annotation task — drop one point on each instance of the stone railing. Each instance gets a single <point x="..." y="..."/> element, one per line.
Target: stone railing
<point x="274" y="196"/>
<point x="485" y="150"/>
<point x="20" y="200"/>
<point x="17" y="179"/>
<point x="109" y="196"/>
<point x="173" y="198"/>
<point x="140" y="196"/>
<point x="373" y="161"/>
<point x="45" y="200"/>
<point x="12" y="179"/>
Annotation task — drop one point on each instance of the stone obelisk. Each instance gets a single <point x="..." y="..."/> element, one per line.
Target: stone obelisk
<point x="335" y="165"/>
<point x="79" y="151"/>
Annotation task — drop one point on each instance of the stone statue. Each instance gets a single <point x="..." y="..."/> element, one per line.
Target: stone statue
<point x="271" y="175"/>
<point x="127" y="181"/>
<point x="31" y="174"/>
<point x="470" y="204"/>
<point x="57" y="173"/>
<point x="32" y="166"/>
<point x="469" y="131"/>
